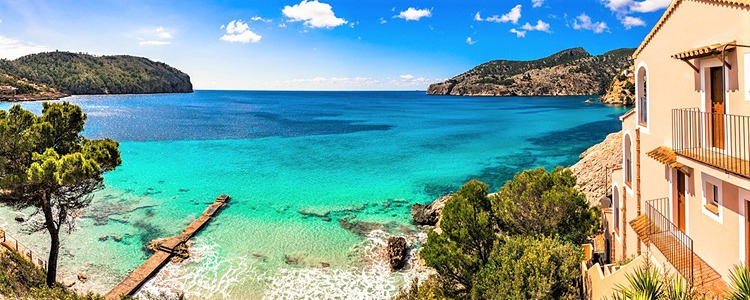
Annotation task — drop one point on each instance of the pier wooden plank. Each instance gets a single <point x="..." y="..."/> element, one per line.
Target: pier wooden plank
<point x="164" y="253"/>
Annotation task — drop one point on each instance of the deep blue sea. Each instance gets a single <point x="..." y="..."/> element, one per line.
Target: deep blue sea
<point x="295" y="163"/>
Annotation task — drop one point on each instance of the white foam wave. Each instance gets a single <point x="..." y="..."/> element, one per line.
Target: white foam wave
<point x="373" y="281"/>
<point x="209" y="275"/>
<point x="205" y="274"/>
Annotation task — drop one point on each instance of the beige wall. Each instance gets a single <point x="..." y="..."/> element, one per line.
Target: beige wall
<point x="603" y="286"/>
<point x="672" y="83"/>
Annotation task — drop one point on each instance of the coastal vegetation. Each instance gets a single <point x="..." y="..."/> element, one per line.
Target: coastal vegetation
<point x="520" y="243"/>
<point x="46" y="164"/>
<point x="79" y="74"/>
<point x="568" y="72"/>
<point x="20" y="279"/>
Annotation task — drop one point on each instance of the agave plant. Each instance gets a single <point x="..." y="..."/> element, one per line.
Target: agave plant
<point x="740" y="283"/>
<point x="647" y="283"/>
<point x="679" y="290"/>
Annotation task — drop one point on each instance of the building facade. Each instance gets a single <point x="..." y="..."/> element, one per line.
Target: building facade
<point x="683" y="193"/>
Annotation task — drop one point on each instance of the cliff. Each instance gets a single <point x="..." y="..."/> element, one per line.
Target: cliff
<point x="81" y="74"/>
<point x="569" y="72"/>
<point x="590" y="170"/>
<point x="621" y="90"/>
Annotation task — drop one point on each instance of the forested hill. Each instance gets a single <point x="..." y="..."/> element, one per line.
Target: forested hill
<point x="568" y="72"/>
<point x="80" y="74"/>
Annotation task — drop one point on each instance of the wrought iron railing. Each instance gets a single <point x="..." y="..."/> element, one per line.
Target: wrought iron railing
<point x="676" y="246"/>
<point x="720" y="140"/>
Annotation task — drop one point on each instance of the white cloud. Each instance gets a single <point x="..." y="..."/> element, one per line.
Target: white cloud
<point x="383" y="21"/>
<point x="163" y="33"/>
<point x="413" y="14"/>
<point x="540" y="26"/>
<point x="627" y="6"/>
<point x="314" y="13"/>
<point x="650" y="5"/>
<point x="512" y="16"/>
<point x="154" y="43"/>
<point x="407" y="77"/>
<point x="158" y="36"/>
<point x="282" y="25"/>
<point x="239" y="32"/>
<point x="537" y="3"/>
<point x="630" y="22"/>
<point x="12" y="48"/>
<point x="519" y="33"/>
<point x="618" y="5"/>
<point x="259" y="18"/>
<point x="352" y="24"/>
<point x="470" y="41"/>
<point x="477" y="17"/>
<point x="587" y="24"/>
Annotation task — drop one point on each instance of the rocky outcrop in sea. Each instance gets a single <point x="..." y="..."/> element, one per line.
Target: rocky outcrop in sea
<point x="428" y="214"/>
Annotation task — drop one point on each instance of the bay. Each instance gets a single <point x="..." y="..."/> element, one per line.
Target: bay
<point x="287" y="159"/>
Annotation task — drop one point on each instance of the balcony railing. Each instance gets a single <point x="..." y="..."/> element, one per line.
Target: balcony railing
<point x="719" y="140"/>
<point x="676" y="246"/>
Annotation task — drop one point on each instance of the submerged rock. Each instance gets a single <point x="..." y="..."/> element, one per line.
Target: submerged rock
<point x="429" y="214"/>
<point x="360" y="228"/>
<point x="396" y="252"/>
<point x="295" y="259"/>
<point x="103" y="238"/>
<point x="83" y="277"/>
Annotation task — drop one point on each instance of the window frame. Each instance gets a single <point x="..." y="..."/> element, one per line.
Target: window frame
<point x="715" y="207"/>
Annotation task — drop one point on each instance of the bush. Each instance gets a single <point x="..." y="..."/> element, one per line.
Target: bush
<point x="537" y="202"/>
<point x="20" y="279"/>
<point x="467" y="239"/>
<point x="530" y="268"/>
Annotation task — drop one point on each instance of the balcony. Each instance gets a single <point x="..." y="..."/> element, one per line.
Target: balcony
<point x="655" y="228"/>
<point x="718" y="140"/>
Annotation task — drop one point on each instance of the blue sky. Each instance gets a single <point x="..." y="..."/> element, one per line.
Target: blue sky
<point x="324" y="44"/>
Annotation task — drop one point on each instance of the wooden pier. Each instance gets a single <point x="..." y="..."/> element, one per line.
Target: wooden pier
<point x="164" y="253"/>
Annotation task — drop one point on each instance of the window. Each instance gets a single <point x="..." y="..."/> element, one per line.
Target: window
<point x="642" y="96"/>
<point x="712" y="197"/>
<point x="627" y="161"/>
<point x="616" y="208"/>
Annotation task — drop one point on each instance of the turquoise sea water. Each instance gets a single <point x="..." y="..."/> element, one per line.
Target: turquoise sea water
<point x="288" y="159"/>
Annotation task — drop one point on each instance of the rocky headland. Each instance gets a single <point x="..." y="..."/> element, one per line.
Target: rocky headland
<point x="621" y="90"/>
<point x="566" y="73"/>
<point x="53" y="75"/>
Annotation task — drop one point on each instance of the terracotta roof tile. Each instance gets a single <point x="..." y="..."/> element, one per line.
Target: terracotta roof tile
<point x="704" y="51"/>
<point x="666" y="156"/>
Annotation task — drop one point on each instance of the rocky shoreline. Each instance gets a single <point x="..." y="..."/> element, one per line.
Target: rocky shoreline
<point x="35" y="97"/>
<point x="590" y="170"/>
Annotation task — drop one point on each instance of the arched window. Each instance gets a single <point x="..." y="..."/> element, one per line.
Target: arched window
<point x="641" y="93"/>
<point x="627" y="161"/>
